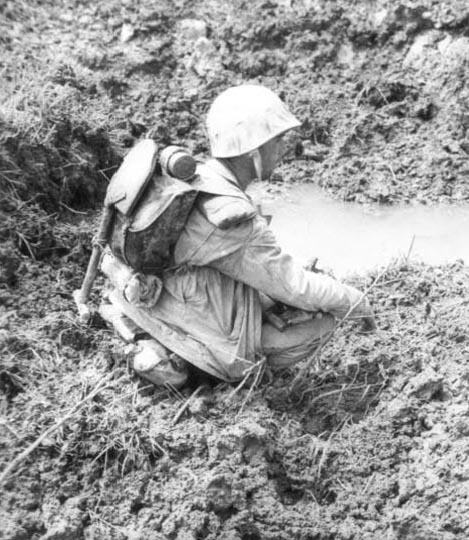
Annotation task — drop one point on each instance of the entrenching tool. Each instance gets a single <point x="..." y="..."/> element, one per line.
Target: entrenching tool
<point x="82" y="295"/>
<point x="126" y="225"/>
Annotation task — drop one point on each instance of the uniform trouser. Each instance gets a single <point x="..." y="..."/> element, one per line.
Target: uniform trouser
<point x="296" y="342"/>
<point x="282" y="349"/>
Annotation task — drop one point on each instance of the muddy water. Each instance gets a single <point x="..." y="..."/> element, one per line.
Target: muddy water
<point x="349" y="237"/>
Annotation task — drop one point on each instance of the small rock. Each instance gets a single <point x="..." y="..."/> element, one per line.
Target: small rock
<point x="198" y="405"/>
<point x="425" y="109"/>
<point x="426" y="385"/>
<point x="420" y="50"/>
<point x="193" y="29"/>
<point x="399" y="408"/>
<point x="63" y="522"/>
<point x="406" y="488"/>
<point x="464" y="145"/>
<point x="313" y="5"/>
<point x="85" y="20"/>
<point x="67" y="17"/>
<point x="346" y="55"/>
<point x="219" y="492"/>
<point x="6" y="316"/>
<point x="204" y="59"/>
<point x="444" y="44"/>
<point x="380" y="16"/>
<point x="461" y="427"/>
<point x="455" y="49"/>
<point x="427" y="480"/>
<point x="452" y="147"/>
<point x="242" y="442"/>
<point x="315" y="152"/>
<point x="127" y="32"/>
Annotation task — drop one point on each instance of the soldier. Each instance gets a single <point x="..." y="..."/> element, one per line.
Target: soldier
<point x="229" y="268"/>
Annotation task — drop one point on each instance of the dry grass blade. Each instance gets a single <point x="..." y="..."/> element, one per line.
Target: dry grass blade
<point x="96" y="516"/>
<point x="344" y="388"/>
<point x="240" y="385"/>
<point x="10" y="429"/>
<point x="30" y="449"/>
<point x="249" y="372"/>
<point x="304" y="372"/>
<point x="174" y="391"/>
<point x="260" y="369"/>
<point x="185" y="405"/>
<point x="411" y="247"/>
<point x="72" y="210"/>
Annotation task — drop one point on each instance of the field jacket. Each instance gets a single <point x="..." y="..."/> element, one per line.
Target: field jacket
<point x="225" y="255"/>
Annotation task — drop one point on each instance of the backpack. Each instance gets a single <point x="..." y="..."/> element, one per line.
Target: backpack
<point x="152" y="199"/>
<point x="147" y="204"/>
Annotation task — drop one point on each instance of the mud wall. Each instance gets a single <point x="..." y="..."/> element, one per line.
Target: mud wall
<point x="380" y="89"/>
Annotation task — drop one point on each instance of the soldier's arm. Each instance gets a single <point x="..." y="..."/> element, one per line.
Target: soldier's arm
<point x="262" y="264"/>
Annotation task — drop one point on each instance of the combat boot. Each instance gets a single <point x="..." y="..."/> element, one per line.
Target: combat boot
<point x="159" y="365"/>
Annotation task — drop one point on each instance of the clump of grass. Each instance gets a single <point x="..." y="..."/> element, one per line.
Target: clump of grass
<point x="59" y="416"/>
<point x="54" y="136"/>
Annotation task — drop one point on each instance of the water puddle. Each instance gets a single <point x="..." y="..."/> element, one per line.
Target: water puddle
<point x="349" y="237"/>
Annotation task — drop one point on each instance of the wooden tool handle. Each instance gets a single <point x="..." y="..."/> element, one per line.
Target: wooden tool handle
<point x="81" y="297"/>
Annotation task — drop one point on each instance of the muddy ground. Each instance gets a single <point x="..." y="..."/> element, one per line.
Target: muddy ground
<point x="374" y="443"/>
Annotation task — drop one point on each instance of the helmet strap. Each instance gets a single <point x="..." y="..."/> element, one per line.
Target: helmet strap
<point x="255" y="155"/>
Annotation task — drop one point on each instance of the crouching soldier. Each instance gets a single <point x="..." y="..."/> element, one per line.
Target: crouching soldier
<point x="228" y="270"/>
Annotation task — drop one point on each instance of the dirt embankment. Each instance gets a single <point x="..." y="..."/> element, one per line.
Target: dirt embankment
<point x="375" y="444"/>
<point x="381" y="91"/>
<point x="372" y="445"/>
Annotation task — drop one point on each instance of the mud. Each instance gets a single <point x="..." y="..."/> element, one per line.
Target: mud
<point x="373" y="443"/>
<point x="380" y="90"/>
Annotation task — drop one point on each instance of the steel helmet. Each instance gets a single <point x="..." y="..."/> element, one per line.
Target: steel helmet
<point x="243" y="118"/>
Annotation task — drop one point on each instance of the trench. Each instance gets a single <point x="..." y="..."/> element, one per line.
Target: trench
<point x="353" y="238"/>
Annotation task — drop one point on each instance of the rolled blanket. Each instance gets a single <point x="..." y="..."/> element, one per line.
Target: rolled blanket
<point x="139" y="289"/>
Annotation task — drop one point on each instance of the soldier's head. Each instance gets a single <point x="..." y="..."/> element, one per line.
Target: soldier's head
<point x="247" y="122"/>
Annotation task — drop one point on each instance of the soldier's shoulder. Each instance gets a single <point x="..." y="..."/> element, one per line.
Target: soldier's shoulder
<point x="225" y="211"/>
<point x="221" y="200"/>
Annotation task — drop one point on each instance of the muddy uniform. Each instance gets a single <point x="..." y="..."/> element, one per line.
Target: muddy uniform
<point x="210" y="311"/>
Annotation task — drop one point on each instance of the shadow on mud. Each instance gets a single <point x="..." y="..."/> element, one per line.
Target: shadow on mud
<point x="328" y="400"/>
<point x="301" y="467"/>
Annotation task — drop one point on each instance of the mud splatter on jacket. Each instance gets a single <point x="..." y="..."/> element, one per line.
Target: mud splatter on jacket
<point x="224" y="256"/>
